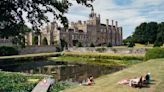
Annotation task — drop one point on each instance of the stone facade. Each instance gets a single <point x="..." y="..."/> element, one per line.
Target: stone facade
<point x="6" y="42"/>
<point x="86" y="33"/>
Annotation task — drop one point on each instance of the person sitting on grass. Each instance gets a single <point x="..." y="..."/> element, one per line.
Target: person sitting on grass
<point x="147" y="78"/>
<point x="89" y="82"/>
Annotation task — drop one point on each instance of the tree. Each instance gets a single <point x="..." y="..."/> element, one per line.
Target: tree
<point x="92" y="45"/>
<point x="63" y="44"/>
<point x="19" y="39"/>
<point x="145" y="33"/>
<point x="12" y="11"/>
<point x="131" y="44"/>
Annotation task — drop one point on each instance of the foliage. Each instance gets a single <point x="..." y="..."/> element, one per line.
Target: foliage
<point x="100" y="49"/>
<point x="131" y="44"/>
<point x="109" y="45"/>
<point x="79" y="44"/>
<point x="160" y="35"/>
<point x="154" y="53"/>
<point x="45" y="42"/>
<point x="92" y="45"/>
<point x="35" y="11"/>
<point x="75" y="42"/>
<point x="158" y="44"/>
<point x="105" y="56"/>
<point x="35" y="40"/>
<point x="14" y="82"/>
<point x="58" y="86"/>
<point x="63" y="43"/>
<point x="127" y="40"/>
<point x="146" y="33"/>
<point x="7" y="51"/>
<point x="99" y="61"/>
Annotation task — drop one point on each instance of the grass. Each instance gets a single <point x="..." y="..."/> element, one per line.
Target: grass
<point x="29" y="55"/>
<point x="95" y="61"/>
<point x="108" y="83"/>
<point x="106" y="56"/>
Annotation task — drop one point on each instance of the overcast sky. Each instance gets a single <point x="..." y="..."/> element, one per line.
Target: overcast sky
<point x="128" y="13"/>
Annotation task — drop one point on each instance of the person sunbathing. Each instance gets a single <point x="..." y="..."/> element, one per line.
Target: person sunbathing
<point x="89" y="82"/>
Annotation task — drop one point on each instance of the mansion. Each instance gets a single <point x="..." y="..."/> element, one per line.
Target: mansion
<point x="87" y="32"/>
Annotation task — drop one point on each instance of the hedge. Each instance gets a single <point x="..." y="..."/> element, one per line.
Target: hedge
<point x="7" y="51"/>
<point x="154" y="53"/>
<point x="106" y="56"/>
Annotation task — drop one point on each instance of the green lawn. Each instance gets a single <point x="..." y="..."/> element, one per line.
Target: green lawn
<point x="95" y="61"/>
<point x="108" y="83"/>
<point x="29" y="55"/>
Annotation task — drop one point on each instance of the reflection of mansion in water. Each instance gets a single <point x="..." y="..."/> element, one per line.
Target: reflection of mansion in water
<point x="74" y="73"/>
<point x="86" y="33"/>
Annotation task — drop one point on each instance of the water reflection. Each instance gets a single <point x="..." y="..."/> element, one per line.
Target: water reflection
<point x="64" y="71"/>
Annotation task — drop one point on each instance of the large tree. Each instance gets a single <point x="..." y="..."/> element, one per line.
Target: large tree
<point x="145" y="33"/>
<point x="12" y="11"/>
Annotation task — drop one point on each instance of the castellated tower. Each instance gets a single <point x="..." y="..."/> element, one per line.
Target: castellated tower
<point x="88" y="32"/>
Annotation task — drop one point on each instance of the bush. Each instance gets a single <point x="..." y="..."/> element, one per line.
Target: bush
<point x="105" y="56"/>
<point x="79" y="44"/>
<point x="92" y="45"/>
<point x="109" y="45"/>
<point x="158" y="44"/>
<point x="45" y="42"/>
<point x="131" y="44"/>
<point x="14" y="82"/>
<point x="154" y="53"/>
<point x="100" y="49"/>
<point x="7" y="51"/>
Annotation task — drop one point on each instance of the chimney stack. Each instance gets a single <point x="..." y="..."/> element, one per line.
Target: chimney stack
<point x="112" y="23"/>
<point x="107" y="22"/>
<point x="116" y="24"/>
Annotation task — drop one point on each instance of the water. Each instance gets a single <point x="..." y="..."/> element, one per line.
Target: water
<point x="62" y="70"/>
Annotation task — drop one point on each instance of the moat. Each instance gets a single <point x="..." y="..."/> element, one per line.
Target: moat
<point x="64" y="71"/>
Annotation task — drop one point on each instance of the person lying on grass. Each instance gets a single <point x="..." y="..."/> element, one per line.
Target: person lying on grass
<point x="132" y="82"/>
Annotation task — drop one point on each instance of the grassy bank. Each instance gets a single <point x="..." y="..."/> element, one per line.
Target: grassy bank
<point x="106" y="56"/>
<point x="108" y="83"/>
<point x="29" y="56"/>
<point x="17" y="82"/>
<point x="95" y="61"/>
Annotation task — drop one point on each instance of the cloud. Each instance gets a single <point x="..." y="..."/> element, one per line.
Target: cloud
<point x="129" y="13"/>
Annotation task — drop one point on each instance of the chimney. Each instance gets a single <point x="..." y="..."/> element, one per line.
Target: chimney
<point x="112" y="23"/>
<point x="85" y="22"/>
<point x="116" y="24"/>
<point x="99" y="15"/>
<point x="107" y="22"/>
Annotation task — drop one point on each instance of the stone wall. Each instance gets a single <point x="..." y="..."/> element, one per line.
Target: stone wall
<point x="111" y="50"/>
<point x="37" y="49"/>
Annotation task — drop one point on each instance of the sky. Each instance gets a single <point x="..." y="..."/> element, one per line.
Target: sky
<point x="128" y="13"/>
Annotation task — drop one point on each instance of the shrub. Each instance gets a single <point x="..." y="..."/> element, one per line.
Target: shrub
<point x="109" y="45"/>
<point x="131" y="44"/>
<point x="7" y="51"/>
<point x="45" y="42"/>
<point x="100" y="49"/>
<point x="58" y="86"/>
<point x="35" y="40"/>
<point x="92" y="45"/>
<point x="158" y="44"/>
<point x="154" y="53"/>
<point x="79" y="44"/>
<point x="14" y="82"/>
<point x="106" y="56"/>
